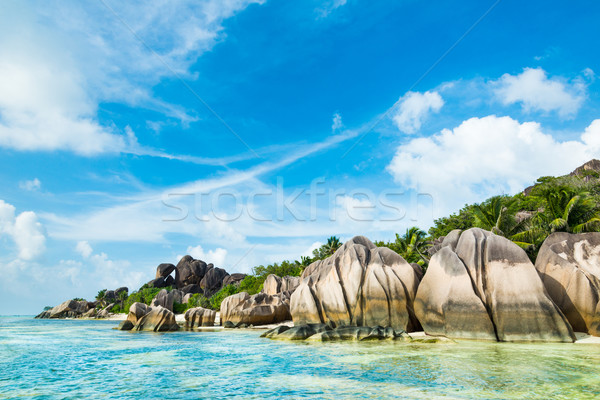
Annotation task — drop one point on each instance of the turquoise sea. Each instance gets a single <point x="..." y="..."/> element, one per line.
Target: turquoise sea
<point x="71" y="359"/>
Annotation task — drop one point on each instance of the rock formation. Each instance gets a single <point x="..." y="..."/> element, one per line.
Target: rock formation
<point x="233" y="279"/>
<point x="190" y="271"/>
<point x="144" y="318"/>
<point x="196" y="317"/>
<point x="569" y="266"/>
<point x="360" y="285"/>
<point x="485" y="287"/>
<point x="258" y="309"/>
<point x="164" y="270"/>
<point x="212" y="281"/>
<point x="68" y="309"/>
<point x="159" y="319"/>
<point x="167" y="299"/>
<point x="274" y="284"/>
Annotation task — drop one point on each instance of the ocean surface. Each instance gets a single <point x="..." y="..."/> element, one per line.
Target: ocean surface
<point x="71" y="359"/>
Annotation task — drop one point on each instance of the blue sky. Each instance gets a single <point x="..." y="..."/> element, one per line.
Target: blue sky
<point x="247" y="132"/>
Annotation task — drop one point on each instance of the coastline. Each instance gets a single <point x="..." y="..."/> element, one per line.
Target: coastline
<point x="581" y="337"/>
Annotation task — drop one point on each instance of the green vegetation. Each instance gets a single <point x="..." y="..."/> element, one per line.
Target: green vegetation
<point x="333" y="243"/>
<point x="565" y="204"/>
<point x="144" y="295"/>
<point x="412" y="246"/>
<point x="101" y="294"/>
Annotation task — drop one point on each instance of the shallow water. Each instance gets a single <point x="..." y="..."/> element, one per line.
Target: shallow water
<point x="66" y="359"/>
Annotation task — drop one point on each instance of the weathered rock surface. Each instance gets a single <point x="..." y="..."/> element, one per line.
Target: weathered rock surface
<point x="190" y="271"/>
<point x="164" y="270"/>
<point x="569" y="266"/>
<point x="213" y="281"/>
<point x="105" y="312"/>
<point x="161" y="282"/>
<point x="192" y="289"/>
<point x="137" y="311"/>
<point x="166" y="299"/>
<point x="159" y="319"/>
<point x="450" y="240"/>
<point x="68" y="309"/>
<point x="275" y="284"/>
<point x="233" y="279"/>
<point x="196" y="317"/>
<point x="360" y="285"/>
<point x="325" y="333"/>
<point x="487" y="275"/>
<point x="259" y="309"/>
<point x="229" y="304"/>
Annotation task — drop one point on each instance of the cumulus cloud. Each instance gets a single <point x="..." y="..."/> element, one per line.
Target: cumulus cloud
<point x="26" y="231"/>
<point x="216" y="256"/>
<point x="414" y="108"/>
<point x="536" y="92"/>
<point x="84" y="248"/>
<point x="487" y="156"/>
<point x="76" y="56"/>
<point x="31" y="185"/>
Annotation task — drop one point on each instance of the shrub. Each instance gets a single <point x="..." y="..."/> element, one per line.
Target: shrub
<point x="144" y="295"/>
<point x="217" y="298"/>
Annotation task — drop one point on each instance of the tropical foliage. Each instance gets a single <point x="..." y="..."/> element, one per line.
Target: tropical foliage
<point x="564" y="204"/>
<point x="412" y="246"/>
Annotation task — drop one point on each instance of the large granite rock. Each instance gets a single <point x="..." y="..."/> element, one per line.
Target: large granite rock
<point x="360" y="285"/>
<point x="233" y="279"/>
<point x="166" y="299"/>
<point x="450" y="240"/>
<point x="164" y="270"/>
<point x="196" y="317"/>
<point x="486" y="288"/>
<point x="137" y="311"/>
<point x="190" y="271"/>
<point x="68" y="309"/>
<point x="191" y="289"/>
<point x="259" y="309"/>
<point x="230" y="303"/>
<point x="213" y="281"/>
<point x="569" y="266"/>
<point x="275" y="284"/>
<point x="158" y="319"/>
<point x="161" y="282"/>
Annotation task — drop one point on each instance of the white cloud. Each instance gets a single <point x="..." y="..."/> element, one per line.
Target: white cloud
<point x="336" y="122"/>
<point x="487" y="156"/>
<point x="414" y="108"/>
<point x="328" y="7"/>
<point x="84" y="248"/>
<point x="536" y="92"/>
<point x="309" y="252"/>
<point x="216" y="256"/>
<point x="31" y="185"/>
<point x="76" y="55"/>
<point x="26" y="231"/>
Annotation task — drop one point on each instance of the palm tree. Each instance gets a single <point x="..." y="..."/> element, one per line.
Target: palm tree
<point x="411" y="246"/>
<point x="568" y="210"/>
<point x="333" y="243"/>
<point x="498" y="216"/>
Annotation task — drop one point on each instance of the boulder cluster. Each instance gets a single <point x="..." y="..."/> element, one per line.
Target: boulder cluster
<point x="478" y="285"/>
<point x="193" y="276"/>
<point x="86" y="309"/>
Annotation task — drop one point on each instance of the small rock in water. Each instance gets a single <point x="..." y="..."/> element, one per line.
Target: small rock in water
<point x="275" y="331"/>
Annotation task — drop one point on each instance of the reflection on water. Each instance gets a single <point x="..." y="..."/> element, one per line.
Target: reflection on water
<point x="77" y="359"/>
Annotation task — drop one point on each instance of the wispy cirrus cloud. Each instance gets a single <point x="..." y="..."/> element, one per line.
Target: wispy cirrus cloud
<point x="75" y="56"/>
